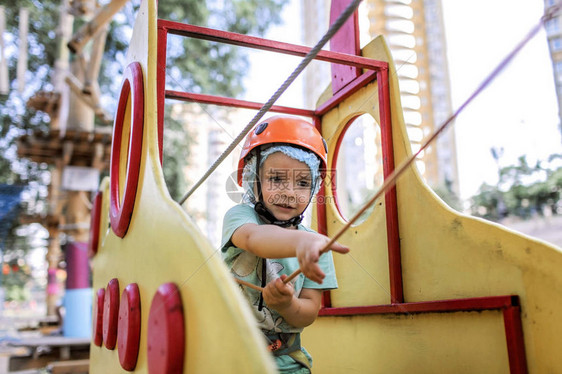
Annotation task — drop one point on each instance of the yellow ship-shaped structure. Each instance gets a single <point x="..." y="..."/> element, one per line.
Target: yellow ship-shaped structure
<point x="452" y="294"/>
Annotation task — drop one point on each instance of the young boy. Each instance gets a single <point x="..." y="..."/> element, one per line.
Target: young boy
<point x="263" y="241"/>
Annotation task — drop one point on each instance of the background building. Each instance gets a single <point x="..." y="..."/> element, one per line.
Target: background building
<point x="415" y="35"/>
<point x="554" y="36"/>
<point x="211" y="131"/>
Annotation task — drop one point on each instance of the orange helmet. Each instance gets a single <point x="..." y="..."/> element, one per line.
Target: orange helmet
<point x="287" y="130"/>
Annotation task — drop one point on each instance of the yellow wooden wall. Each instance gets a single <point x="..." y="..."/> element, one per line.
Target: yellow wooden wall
<point x="163" y="245"/>
<point x="445" y="255"/>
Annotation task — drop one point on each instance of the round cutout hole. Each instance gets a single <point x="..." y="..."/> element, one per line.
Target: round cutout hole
<point x="358" y="167"/>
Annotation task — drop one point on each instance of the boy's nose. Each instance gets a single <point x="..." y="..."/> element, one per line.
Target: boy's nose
<point x="290" y="191"/>
<point x="292" y="188"/>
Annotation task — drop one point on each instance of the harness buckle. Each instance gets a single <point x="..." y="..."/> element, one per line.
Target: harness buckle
<point x="277" y="344"/>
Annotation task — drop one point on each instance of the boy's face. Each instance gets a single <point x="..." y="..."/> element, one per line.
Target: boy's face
<point x="286" y="185"/>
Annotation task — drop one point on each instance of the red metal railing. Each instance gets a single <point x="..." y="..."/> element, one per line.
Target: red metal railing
<point x="373" y="70"/>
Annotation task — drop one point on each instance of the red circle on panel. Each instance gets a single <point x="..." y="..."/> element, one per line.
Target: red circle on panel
<point x="166" y="340"/>
<point x="98" y="317"/>
<point x="128" y="328"/>
<point x="110" y="314"/>
<point x="120" y="213"/>
<point x="95" y="216"/>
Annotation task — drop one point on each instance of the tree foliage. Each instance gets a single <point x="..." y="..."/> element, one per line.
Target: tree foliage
<point x="447" y="194"/>
<point x="15" y="118"/>
<point x="523" y="190"/>
<point x="193" y="65"/>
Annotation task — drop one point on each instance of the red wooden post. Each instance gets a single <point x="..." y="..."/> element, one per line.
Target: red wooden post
<point x="346" y="40"/>
<point x="514" y="338"/>
<point x="393" y="234"/>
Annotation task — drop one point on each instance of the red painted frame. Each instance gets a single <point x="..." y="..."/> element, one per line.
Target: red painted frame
<point x="374" y="70"/>
<point x="120" y="213"/>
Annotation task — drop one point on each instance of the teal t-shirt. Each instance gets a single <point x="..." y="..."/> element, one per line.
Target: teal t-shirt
<point x="248" y="267"/>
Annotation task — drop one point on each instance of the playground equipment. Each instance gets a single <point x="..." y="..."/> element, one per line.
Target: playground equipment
<point x="424" y="290"/>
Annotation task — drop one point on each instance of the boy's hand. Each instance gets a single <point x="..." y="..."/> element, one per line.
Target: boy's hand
<point x="277" y="294"/>
<point x="308" y="254"/>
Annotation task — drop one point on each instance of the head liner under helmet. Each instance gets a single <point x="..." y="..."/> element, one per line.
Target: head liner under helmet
<point x="294" y="137"/>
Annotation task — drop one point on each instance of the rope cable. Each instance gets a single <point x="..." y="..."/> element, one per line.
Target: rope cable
<point x="390" y="181"/>
<point x="302" y="65"/>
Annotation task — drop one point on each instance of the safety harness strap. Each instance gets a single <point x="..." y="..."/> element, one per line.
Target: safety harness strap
<point x="287" y="344"/>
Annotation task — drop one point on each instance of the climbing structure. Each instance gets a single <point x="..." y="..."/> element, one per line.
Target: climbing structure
<point x="424" y="288"/>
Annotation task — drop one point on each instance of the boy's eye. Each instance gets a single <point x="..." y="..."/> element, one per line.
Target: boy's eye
<point x="275" y="178"/>
<point x="303" y="183"/>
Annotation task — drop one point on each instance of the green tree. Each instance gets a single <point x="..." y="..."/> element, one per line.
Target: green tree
<point x="486" y="203"/>
<point x="16" y="120"/>
<point x="16" y="273"/>
<point x="523" y="190"/>
<point x="446" y="193"/>
<point x="193" y="65"/>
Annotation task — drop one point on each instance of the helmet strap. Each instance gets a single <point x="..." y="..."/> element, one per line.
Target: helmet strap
<point x="268" y="217"/>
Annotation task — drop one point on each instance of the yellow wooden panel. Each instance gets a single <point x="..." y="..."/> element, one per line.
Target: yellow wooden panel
<point x="163" y="245"/>
<point x="366" y="267"/>
<point x="462" y="342"/>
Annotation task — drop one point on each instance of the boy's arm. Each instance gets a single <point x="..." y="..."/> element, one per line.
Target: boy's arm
<point x="299" y="312"/>
<point x="266" y="241"/>
<point x="270" y="241"/>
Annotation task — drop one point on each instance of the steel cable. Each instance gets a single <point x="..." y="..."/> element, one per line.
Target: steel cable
<point x="302" y="65"/>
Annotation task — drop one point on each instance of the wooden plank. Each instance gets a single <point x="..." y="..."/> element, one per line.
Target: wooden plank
<point x="69" y="367"/>
<point x="54" y="341"/>
<point x="96" y="55"/>
<point x="90" y="29"/>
